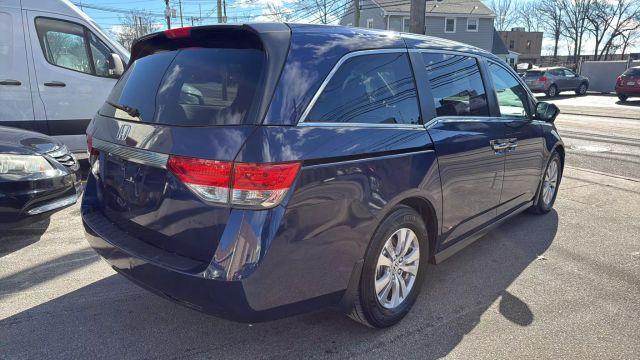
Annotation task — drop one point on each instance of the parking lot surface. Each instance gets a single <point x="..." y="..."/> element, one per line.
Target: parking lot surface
<point x="562" y="285"/>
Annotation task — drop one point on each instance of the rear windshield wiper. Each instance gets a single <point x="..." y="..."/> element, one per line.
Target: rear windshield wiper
<point x="131" y="111"/>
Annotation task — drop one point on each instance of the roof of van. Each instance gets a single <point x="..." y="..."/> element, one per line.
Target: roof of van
<point x="412" y="40"/>
<point x="350" y="38"/>
<point x="62" y="7"/>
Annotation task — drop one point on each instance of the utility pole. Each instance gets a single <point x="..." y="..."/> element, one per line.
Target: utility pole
<point x="167" y="13"/>
<point x="356" y="14"/>
<point x="219" y="11"/>
<point x="416" y="16"/>
<point x="224" y="11"/>
<point x="180" y="5"/>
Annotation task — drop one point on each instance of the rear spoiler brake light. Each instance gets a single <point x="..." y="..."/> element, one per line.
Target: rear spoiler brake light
<point x="178" y="33"/>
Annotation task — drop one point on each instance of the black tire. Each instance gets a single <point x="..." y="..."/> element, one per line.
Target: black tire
<point x="622" y="97"/>
<point x="367" y="309"/>
<point x="552" y="91"/>
<point x="539" y="205"/>
<point x="582" y="89"/>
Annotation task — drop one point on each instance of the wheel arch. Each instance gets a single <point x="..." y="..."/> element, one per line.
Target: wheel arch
<point x="560" y="149"/>
<point x="428" y="214"/>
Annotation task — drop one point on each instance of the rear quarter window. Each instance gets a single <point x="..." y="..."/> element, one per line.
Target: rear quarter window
<point x="191" y="86"/>
<point x="369" y="89"/>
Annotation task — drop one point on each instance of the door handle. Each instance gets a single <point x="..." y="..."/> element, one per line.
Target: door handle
<point x="55" y="84"/>
<point x="499" y="145"/>
<point x="10" y="82"/>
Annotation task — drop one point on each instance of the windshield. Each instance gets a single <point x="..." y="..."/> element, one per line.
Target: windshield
<point x="113" y="42"/>
<point x="189" y="87"/>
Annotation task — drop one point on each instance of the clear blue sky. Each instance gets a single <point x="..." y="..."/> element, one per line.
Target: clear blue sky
<point x="237" y="10"/>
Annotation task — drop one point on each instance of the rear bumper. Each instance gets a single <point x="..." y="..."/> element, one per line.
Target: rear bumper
<point x="537" y="87"/>
<point x="628" y="91"/>
<point x="185" y="280"/>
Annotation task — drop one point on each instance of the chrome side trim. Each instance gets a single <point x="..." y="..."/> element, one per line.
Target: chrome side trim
<point x="334" y="70"/>
<point x="364" y="125"/>
<point x="347" y="162"/>
<point x="139" y="156"/>
<point x="449" y="52"/>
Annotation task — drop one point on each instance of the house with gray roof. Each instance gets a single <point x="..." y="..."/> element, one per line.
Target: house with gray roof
<point x="466" y="21"/>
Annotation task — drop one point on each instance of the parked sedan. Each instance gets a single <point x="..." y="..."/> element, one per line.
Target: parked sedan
<point x="552" y="81"/>
<point x="322" y="166"/>
<point x="628" y="84"/>
<point x="38" y="176"/>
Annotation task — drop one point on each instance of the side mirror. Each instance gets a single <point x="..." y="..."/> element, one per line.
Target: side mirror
<point x="117" y="66"/>
<point x="547" y="111"/>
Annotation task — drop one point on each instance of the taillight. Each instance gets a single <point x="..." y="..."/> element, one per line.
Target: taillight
<point x="251" y="185"/>
<point x="93" y="152"/>
<point x="93" y="156"/>
<point x="263" y="185"/>
<point x="619" y="80"/>
<point x="178" y="33"/>
<point x="542" y="79"/>
<point x="207" y="178"/>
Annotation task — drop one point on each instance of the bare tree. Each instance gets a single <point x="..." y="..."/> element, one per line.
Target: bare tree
<point x="505" y="14"/>
<point x="320" y="11"/>
<point x="527" y="13"/>
<point x="626" y="19"/>
<point x="574" y="22"/>
<point x="134" y="25"/>
<point x="278" y="13"/>
<point x="629" y="39"/>
<point x="551" y="18"/>
<point x="600" y="18"/>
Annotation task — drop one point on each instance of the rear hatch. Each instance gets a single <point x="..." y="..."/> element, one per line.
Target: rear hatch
<point x="190" y="93"/>
<point x="533" y="76"/>
<point x="630" y="79"/>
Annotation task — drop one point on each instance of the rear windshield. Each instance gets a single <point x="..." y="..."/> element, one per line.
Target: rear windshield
<point x="632" y="72"/>
<point x="533" y="73"/>
<point x="189" y="87"/>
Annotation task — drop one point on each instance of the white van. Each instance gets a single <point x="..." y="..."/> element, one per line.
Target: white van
<point x="56" y="68"/>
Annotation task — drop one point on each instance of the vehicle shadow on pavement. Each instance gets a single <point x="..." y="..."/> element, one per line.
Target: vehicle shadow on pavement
<point x="112" y="318"/>
<point x="15" y="239"/>
<point x="629" y="103"/>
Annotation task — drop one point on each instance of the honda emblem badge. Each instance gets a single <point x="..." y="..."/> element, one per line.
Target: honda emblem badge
<point x="123" y="132"/>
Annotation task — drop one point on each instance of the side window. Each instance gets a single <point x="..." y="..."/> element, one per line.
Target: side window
<point x="569" y="73"/>
<point x="395" y="23"/>
<point x="406" y="24"/>
<point x="556" y="72"/>
<point x="63" y="44"/>
<point x="373" y="89"/>
<point x="456" y="85"/>
<point x="101" y="55"/>
<point x="512" y="97"/>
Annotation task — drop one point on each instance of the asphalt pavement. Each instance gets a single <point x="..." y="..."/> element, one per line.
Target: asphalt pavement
<point x="562" y="285"/>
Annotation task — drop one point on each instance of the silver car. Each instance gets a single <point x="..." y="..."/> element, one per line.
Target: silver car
<point x="552" y="81"/>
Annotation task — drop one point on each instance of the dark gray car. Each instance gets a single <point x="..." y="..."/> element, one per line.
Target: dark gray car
<point x="553" y="80"/>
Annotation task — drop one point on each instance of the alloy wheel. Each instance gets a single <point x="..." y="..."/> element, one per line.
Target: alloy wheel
<point x="552" y="91"/>
<point x="397" y="268"/>
<point x="550" y="182"/>
<point x="583" y="89"/>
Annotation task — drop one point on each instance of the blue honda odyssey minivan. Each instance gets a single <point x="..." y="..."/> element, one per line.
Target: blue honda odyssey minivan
<point x="258" y="171"/>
